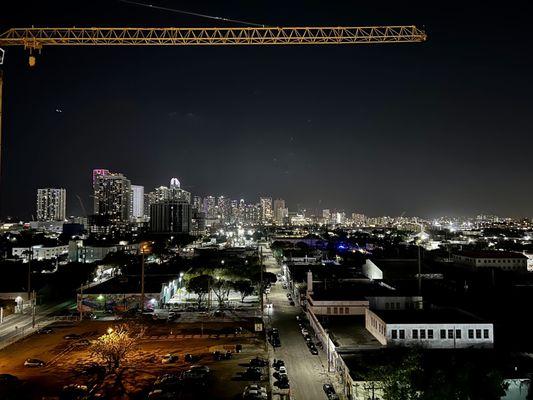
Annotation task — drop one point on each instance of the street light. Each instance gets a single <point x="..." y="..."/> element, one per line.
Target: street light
<point x="144" y="249"/>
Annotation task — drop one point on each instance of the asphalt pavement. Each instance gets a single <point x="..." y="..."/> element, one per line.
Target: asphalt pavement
<point x="307" y="372"/>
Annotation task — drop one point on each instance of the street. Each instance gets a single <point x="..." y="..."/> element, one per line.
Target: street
<point x="17" y="324"/>
<point x="307" y="372"/>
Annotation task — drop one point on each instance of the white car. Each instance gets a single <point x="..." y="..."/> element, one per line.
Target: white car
<point x="282" y="370"/>
<point x="254" y="392"/>
<point x="33" y="362"/>
<point x="305" y="332"/>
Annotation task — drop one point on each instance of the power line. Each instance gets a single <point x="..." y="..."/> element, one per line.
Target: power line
<point x="192" y="13"/>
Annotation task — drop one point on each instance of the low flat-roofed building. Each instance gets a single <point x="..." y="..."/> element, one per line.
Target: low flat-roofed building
<point x="504" y="260"/>
<point x="40" y="252"/>
<point x="431" y="328"/>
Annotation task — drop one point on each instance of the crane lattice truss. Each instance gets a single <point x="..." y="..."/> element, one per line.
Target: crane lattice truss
<point x="36" y="38"/>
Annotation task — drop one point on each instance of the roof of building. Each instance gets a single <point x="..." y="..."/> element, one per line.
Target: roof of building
<point x="427" y="316"/>
<point x="128" y="285"/>
<point x="490" y="254"/>
<point x="349" y="332"/>
<point x="358" y="290"/>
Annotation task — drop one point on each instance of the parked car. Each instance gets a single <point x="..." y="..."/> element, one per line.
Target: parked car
<point x="45" y="331"/>
<point x="313" y="350"/>
<point x="304" y="331"/>
<point x="258" y="362"/>
<point x="169" y="358"/>
<point x="277" y="364"/>
<point x="254" y="392"/>
<point x="330" y="391"/>
<point x="292" y="303"/>
<point x="254" y="373"/>
<point x="191" y="358"/>
<point x="33" y="362"/>
<point x="71" y="336"/>
<point x="282" y="384"/>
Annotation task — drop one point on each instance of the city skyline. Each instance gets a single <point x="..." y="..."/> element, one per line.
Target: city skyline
<point x="419" y="128"/>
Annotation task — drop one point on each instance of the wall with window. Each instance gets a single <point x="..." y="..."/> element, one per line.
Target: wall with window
<point x="376" y="326"/>
<point x="395" y="302"/>
<point x="336" y="307"/>
<point x="441" y="335"/>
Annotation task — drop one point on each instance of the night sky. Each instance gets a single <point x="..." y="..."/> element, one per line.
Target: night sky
<point x="442" y="127"/>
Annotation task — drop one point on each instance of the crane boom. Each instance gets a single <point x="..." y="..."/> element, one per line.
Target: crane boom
<point x="36" y="38"/>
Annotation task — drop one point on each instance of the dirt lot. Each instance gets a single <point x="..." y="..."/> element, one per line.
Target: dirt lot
<point x="66" y="362"/>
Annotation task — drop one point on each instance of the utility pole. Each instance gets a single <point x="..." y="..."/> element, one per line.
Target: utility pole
<point x="419" y="272"/>
<point x="80" y="303"/>
<point x="33" y="309"/>
<point x="30" y="255"/>
<point x="261" y="277"/>
<point x="142" y="279"/>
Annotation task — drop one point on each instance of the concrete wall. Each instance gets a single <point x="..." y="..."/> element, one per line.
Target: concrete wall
<point x="376" y="326"/>
<point x="371" y="270"/>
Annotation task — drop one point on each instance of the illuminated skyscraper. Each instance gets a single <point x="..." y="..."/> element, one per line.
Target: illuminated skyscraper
<point x="51" y="204"/>
<point x="112" y="197"/>
<point x="137" y="201"/>
<point x="280" y="212"/>
<point x="266" y="209"/>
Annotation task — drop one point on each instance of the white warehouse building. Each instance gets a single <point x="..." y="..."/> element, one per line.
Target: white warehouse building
<point x="433" y="328"/>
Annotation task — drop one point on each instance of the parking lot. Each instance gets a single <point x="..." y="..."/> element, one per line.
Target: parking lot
<point x="67" y="362"/>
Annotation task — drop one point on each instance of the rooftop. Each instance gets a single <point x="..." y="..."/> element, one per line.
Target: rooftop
<point x="428" y="316"/>
<point x="128" y="284"/>
<point x="490" y="254"/>
<point x="360" y="290"/>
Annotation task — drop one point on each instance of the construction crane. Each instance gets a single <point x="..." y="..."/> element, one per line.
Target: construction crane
<point x="34" y="39"/>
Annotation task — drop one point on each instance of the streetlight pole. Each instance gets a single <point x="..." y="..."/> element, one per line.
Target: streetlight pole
<point x="142" y="279"/>
<point x="261" y="277"/>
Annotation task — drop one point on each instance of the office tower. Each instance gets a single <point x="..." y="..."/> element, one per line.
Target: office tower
<point x="197" y="203"/>
<point x="172" y="212"/>
<point x="112" y="197"/>
<point x="279" y="214"/>
<point x="223" y="208"/>
<point x="210" y="207"/>
<point x="266" y="209"/>
<point x="137" y="201"/>
<point x="170" y="216"/>
<point x="51" y="204"/>
<point x="96" y="174"/>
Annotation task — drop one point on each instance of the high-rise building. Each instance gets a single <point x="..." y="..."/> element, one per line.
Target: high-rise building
<point x="210" y="207"/>
<point x="51" y="204"/>
<point x="137" y="201"/>
<point x="266" y="209"/>
<point x="223" y="208"/>
<point x="171" y="210"/>
<point x="197" y="203"/>
<point x="171" y="216"/>
<point x="112" y="197"/>
<point x="279" y="213"/>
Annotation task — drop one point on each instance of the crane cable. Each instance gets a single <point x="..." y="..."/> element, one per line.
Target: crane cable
<point x="192" y="13"/>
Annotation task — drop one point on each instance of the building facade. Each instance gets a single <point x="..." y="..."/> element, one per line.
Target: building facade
<point x="112" y="197"/>
<point x="51" y="204"/>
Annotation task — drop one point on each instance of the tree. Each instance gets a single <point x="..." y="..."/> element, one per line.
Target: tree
<point x="245" y="288"/>
<point x="114" y="347"/>
<point x="221" y="288"/>
<point x="200" y="285"/>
